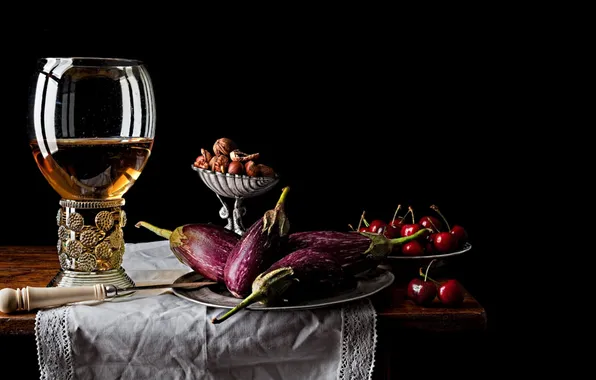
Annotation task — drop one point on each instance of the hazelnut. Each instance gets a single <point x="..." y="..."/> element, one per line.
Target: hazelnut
<point x="236" y="167"/>
<point x="212" y="162"/>
<point x="224" y="146"/>
<point x="265" y="170"/>
<point x="251" y="169"/>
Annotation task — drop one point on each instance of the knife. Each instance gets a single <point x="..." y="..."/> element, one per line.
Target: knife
<point x="30" y="298"/>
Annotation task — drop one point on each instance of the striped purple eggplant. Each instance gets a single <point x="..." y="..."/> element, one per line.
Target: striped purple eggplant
<point x="296" y="276"/>
<point x="257" y="249"/>
<point x="204" y="248"/>
<point x="357" y="252"/>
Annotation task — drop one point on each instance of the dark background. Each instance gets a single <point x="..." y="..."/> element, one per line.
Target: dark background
<point x="353" y="116"/>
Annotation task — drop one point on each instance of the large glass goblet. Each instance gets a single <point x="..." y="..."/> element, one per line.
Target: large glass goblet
<point x="91" y="124"/>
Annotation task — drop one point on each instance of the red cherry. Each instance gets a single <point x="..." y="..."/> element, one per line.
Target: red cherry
<point x="412" y="248"/>
<point x="410" y="229"/>
<point x="431" y="222"/>
<point x="392" y="232"/>
<point x="364" y="229"/>
<point x="421" y="292"/>
<point x="444" y="242"/>
<point x="451" y="293"/>
<point x="460" y="234"/>
<point x="377" y="226"/>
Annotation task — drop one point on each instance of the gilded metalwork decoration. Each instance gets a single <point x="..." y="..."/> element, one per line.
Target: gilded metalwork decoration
<point x="85" y="263"/>
<point x="60" y="217"/>
<point x="74" y="248"/>
<point x="64" y="262"/>
<point x="98" y="246"/>
<point x="75" y="221"/>
<point x="123" y="219"/>
<point x="91" y="236"/>
<point x="63" y="233"/>
<point x="117" y="256"/>
<point x="104" y="264"/>
<point x="116" y="238"/>
<point x="104" y="220"/>
<point x="103" y="250"/>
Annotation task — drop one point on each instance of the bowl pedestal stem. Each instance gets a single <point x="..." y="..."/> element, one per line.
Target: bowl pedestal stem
<point x="235" y="216"/>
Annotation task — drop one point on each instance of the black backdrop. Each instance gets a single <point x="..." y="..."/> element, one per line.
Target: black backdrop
<point x="351" y="119"/>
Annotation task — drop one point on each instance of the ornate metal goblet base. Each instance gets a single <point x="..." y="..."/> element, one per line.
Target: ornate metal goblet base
<point x="91" y="243"/>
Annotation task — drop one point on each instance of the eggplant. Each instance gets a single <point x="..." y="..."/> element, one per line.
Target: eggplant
<point x="295" y="277"/>
<point x="203" y="247"/>
<point x="257" y="249"/>
<point x="356" y="252"/>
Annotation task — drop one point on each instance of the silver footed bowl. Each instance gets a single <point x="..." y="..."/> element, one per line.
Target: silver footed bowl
<point x="235" y="185"/>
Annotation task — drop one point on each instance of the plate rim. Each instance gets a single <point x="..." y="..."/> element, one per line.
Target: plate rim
<point x="467" y="247"/>
<point x="180" y="293"/>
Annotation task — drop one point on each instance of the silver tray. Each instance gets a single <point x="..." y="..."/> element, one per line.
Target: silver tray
<point x="218" y="296"/>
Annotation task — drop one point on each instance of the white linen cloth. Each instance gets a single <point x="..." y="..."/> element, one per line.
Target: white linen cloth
<point x="156" y="335"/>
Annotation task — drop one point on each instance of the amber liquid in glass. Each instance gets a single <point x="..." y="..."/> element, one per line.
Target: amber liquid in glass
<point x="92" y="168"/>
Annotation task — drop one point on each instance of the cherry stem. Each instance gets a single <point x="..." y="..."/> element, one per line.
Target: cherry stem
<point x="426" y="277"/>
<point x="351" y="227"/>
<point x="360" y="222"/>
<point x="395" y="214"/>
<point x="403" y="218"/>
<point x="432" y="224"/>
<point x="427" y="268"/>
<point x="412" y="211"/>
<point x="366" y="223"/>
<point x="441" y="215"/>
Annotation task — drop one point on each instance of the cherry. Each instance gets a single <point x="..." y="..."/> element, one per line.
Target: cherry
<point x="412" y="248"/>
<point x="410" y="229"/>
<point x="393" y="229"/>
<point x="451" y="293"/>
<point x="461" y="235"/>
<point x="444" y="242"/>
<point x="377" y="226"/>
<point x="431" y="222"/>
<point x="422" y="292"/>
<point x="364" y="229"/>
<point x="458" y="235"/>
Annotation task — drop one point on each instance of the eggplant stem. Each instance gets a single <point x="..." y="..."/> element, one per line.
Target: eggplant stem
<point x="159" y="231"/>
<point x="414" y="236"/>
<point x="252" y="298"/>
<point x="283" y="196"/>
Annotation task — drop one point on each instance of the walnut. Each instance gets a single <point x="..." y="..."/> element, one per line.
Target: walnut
<point x="224" y="146"/>
<point x="203" y="160"/>
<point x="237" y="155"/>
<point x="221" y="164"/>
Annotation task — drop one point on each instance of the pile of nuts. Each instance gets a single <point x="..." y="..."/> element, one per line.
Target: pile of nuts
<point x="227" y="158"/>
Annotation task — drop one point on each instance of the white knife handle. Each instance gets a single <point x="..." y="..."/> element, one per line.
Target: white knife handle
<point x="31" y="298"/>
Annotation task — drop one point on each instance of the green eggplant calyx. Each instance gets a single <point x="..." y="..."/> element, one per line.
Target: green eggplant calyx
<point x="266" y="288"/>
<point x="277" y="216"/>
<point x="177" y="237"/>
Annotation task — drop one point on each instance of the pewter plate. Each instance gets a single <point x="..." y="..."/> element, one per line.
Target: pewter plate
<point x="466" y="248"/>
<point x="218" y="296"/>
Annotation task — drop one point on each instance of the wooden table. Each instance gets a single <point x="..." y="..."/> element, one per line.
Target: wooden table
<point x="404" y="329"/>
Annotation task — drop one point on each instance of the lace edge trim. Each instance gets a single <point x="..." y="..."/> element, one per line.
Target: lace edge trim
<point x="349" y="316"/>
<point x="42" y="341"/>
